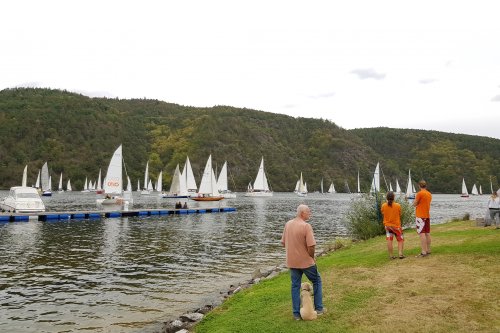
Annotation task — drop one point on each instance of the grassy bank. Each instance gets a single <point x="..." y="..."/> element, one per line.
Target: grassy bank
<point x="457" y="288"/>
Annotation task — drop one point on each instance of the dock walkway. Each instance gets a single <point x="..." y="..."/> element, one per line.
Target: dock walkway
<point x="81" y="215"/>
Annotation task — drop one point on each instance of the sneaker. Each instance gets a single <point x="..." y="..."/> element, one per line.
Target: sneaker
<point x="320" y="312"/>
<point x="421" y="255"/>
<point x="297" y="318"/>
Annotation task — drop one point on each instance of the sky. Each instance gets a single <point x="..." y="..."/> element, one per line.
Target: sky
<point x="432" y="65"/>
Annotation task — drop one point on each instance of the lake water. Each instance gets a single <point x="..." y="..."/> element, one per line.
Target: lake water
<point x="132" y="274"/>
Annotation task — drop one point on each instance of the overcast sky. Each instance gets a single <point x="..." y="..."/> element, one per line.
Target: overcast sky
<point x="406" y="64"/>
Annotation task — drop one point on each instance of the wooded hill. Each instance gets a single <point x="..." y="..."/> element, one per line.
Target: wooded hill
<point x="77" y="135"/>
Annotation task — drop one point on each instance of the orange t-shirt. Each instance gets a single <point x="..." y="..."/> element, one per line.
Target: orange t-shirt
<point x="392" y="214"/>
<point x="297" y="236"/>
<point x="423" y="206"/>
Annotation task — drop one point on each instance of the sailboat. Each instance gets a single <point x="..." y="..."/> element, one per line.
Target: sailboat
<point x="24" y="181"/>
<point x="188" y="175"/>
<point x="260" y="187"/>
<point x="302" y="189"/>
<point x="159" y="183"/>
<point x="99" y="189"/>
<point x="465" y="193"/>
<point x="113" y="182"/>
<point x="331" y="189"/>
<point x="359" y="187"/>
<point x="146" y="190"/>
<point x="37" y="183"/>
<point x="321" y="186"/>
<point x="474" y="190"/>
<point x="60" y="187"/>
<point x="178" y="188"/>
<point x="222" y="183"/>
<point x="46" y="183"/>
<point x="480" y="190"/>
<point x="68" y="186"/>
<point x="398" y="188"/>
<point x="85" y="187"/>
<point x="208" y="190"/>
<point x="375" y="187"/>
<point x="410" y="191"/>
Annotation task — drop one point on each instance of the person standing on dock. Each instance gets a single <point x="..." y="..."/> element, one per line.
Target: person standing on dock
<point x="298" y="240"/>
<point x="422" y="205"/>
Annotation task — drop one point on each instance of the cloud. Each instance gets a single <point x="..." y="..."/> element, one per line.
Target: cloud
<point x="368" y="73"/>
<point x="324" y="95"/>
<point x="496" y="98"/>
<point x="427" y="81"/>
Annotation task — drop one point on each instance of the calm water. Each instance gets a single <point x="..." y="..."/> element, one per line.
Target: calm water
<point x="131" y="274"/>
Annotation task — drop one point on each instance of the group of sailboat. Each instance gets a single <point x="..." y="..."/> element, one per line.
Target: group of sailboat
<point x="301" y="187"/>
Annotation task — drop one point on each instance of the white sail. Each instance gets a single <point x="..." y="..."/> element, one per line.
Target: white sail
<point x="178" y="185"/>
<point x="390" y="187"/>
<point x="60" y="187"/>
<point x="187" y="172"/>
<point x="376" y="180"/>
<point x="409" y="186"/>
<point x="146" y="175"/>
<point x="321" y="185"/>
<point x="37" y="183"/>
<point x="398" y="188"/>
<point x="138" y="185"/>
<point x="359" y="188"/>
<point x="302" y="191"/>
<point x="222" y="180"/>
<point x="465" y="193"/>
<point x="208" y="184"/>
<point x="99" y="184"/>
<point x="297" y="185"/>
<point x="480" y="190"/>
<point x="45" y="177"/>
<point x="114" y="179"/>
<point x="24" y="181"/>
<point x="331" y="189"/>
<point x="85" y="186"/>
<point x="159" y="182"/>
<point x="50" y="184"/>
<point x="474" y="190"/>
<point x="68" y="186"/>
<point x="260" y="183"/>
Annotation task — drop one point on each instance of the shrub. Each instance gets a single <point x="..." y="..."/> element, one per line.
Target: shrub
<point x="364" y="219"/>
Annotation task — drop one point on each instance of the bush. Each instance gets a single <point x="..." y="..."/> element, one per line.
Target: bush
<point x="365" y="221"/>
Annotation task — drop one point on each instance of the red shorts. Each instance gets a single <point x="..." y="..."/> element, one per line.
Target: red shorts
<point x="390" y="232"/>
<point x="423" y="225"/>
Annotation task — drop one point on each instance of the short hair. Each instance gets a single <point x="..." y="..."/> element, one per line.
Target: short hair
<point x="301" y="208"/>
<point x="422" y="183"/>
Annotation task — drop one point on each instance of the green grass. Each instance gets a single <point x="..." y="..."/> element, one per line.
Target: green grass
<point x="455" y="289"/>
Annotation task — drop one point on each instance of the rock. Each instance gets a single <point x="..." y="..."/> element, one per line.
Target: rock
<point x="183" y="331"/>
<point x="192" y="317"/>
<point x="206" y="309"/>
<point x="256" y="274"/>
<point x="273" y="274"/>
<point x="173" y="326"/>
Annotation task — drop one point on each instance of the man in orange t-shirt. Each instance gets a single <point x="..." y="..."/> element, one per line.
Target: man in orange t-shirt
<point x="298" y="240"/>
<point x="422" y="205"/>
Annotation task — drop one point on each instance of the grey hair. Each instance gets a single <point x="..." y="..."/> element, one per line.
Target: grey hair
<point x="301" y="208"/>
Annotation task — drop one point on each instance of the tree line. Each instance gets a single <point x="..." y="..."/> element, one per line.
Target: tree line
<point x="76" y="135"/>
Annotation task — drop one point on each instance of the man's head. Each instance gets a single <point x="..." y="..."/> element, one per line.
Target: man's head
<point x="303" y="212"/>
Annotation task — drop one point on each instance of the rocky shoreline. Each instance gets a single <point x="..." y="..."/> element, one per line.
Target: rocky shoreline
<point x="184" y="323"/>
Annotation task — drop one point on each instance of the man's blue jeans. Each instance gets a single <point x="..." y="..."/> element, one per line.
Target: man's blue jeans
<point x="313" y="275"/>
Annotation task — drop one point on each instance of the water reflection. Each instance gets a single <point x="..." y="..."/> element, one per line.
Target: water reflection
<point x="129" y="274"/>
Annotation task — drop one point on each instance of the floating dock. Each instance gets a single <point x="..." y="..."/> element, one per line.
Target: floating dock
<point x="82" y="215"/>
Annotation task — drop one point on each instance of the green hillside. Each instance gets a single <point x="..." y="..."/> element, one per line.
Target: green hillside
<point x="77" y="135"/>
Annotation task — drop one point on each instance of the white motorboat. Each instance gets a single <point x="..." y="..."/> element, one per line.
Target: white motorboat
<point x="22" y="199"/>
